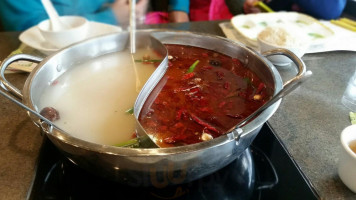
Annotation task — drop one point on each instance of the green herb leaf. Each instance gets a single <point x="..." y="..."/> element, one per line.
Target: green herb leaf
<point x="248" y="80"/>
<point x="352" y="117"/>
<point x="133" y="143"/>
<point x="245" y="26"/>
<point x="301" y="22"/>
<point x="192" y="67"/>
<point x="315" y="35"/>
<point x="130" y="111"/>
<point x="263" y="23"/>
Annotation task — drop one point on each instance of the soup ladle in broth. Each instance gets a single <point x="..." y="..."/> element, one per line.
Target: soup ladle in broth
<point x="132" y="29"/>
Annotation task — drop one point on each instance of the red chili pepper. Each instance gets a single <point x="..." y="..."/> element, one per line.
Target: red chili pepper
<point x="204" y="68"/>
<point x="180" y="113"/>
<point x="260" y="87"/>
<point x="220" y="75"/>
<point x="178" y="125"/>
<point x="227" y="85"/>
<point x="206" y="109"/>
<point x="188" y="76"/>
<point x="236" y="116"/>
<point x="221" y="104"/>
<point x="237" y="62"/>
<point x="205" y="124"/>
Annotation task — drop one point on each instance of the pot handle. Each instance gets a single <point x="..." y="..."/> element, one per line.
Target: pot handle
<point x="6" y="85"/>
<point x="46" y="125"/>
<point x="296" y="60"/>
<point x="288" y="87"/>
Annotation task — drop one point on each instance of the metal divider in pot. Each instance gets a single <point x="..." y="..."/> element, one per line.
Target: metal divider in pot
<point x="158" y="167"/>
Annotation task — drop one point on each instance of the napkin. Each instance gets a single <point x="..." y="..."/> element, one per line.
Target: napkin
<point x="22" y="66"/>
<point x="343" y="39"/>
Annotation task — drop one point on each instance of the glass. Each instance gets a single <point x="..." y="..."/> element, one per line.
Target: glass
<point x="349" y="96"/>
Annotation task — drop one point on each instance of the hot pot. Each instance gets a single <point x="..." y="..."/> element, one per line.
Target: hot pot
<point x="157" y="167"/>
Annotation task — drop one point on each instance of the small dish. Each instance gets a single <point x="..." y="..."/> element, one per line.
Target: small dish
<point x="282" y="37"/>
<point x="76" y="30"/>
<point x="33" y="38"/>
<point x="347" y="157"/>
<point x="250" y="25"/>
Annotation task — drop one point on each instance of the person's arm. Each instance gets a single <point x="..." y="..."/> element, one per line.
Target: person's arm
<point x="94" y="10"/>
<point x="20" y="15"/>
<point x="323" y="9"/>
<point x="178" y="10"/>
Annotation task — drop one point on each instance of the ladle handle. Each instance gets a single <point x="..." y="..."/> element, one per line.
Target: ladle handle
<point x="6" y="85"/>
<point x="288" y="87"/>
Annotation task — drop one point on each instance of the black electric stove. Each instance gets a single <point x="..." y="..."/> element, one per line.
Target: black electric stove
<point x="264" y="171"/>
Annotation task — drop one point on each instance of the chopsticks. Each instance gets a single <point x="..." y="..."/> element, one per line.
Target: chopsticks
<point x="263" y="6"/>
<point x="345" y="23"/>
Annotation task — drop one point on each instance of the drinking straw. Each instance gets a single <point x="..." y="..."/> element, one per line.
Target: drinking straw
<point x="263" y="6"/>
<point x="348" y="21"/>
<point x="344" y="25"/>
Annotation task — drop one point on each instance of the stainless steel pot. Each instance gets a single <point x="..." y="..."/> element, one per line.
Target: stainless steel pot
<point x="150" y="166"/>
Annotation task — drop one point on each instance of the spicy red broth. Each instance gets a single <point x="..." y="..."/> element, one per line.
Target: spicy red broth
<point x="202" y="95"/>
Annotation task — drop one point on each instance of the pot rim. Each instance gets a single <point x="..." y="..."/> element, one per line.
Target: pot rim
<point x="137" y="152"/>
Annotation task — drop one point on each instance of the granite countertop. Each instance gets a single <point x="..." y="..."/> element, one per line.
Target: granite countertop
<point x="309" y="121"/>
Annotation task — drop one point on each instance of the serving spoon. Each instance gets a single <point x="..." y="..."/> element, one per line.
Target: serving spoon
<point x="56" y="24"/>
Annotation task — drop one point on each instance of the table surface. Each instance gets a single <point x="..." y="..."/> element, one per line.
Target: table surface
<point x="309" y="120"/>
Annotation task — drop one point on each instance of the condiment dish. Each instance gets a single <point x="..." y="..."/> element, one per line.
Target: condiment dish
<point x="77" y="31"/>
<point x="347" y="157"/>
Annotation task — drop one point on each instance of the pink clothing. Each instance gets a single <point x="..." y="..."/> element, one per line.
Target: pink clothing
<point x="200" y="10"/>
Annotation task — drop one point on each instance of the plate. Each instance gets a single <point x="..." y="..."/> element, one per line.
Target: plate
<point x="250" y="25"/>
<point x="33" y="38"/>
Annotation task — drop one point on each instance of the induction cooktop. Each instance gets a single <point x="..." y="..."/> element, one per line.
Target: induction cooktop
<point x="264" y="171"/>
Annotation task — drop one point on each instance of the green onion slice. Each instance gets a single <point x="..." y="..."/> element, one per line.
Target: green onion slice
<point x="192" y="67"/>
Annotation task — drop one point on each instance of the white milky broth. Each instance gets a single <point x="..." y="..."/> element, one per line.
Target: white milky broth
<point x="92" y="98"/>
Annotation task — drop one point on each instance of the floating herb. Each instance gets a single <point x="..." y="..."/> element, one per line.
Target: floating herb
<point x="263" y="24"/>
<point x="247" y="80"/>
<point x="192" y="67"/>
<point x="301" y="22"/>
<point x="352" y="117"/>
<point x="133" y="143"/>
<point x="130" y="111"/>
<point x="245" y="26"/>
<point x="315" y="35"/>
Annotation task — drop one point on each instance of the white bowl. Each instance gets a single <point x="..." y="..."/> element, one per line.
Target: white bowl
<point x="298" y="46"/>
<point x="347" y="158"/>
<point x="77" y="31"/>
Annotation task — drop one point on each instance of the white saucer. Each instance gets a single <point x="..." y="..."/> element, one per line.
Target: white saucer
<point x="33" y="38"/>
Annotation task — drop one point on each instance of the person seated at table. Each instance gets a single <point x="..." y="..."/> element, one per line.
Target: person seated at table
<point x="19" y="15"/>
<point x="321" y="9"/>
<point x="196" y="10"/>
<point x="199" y="10"/>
